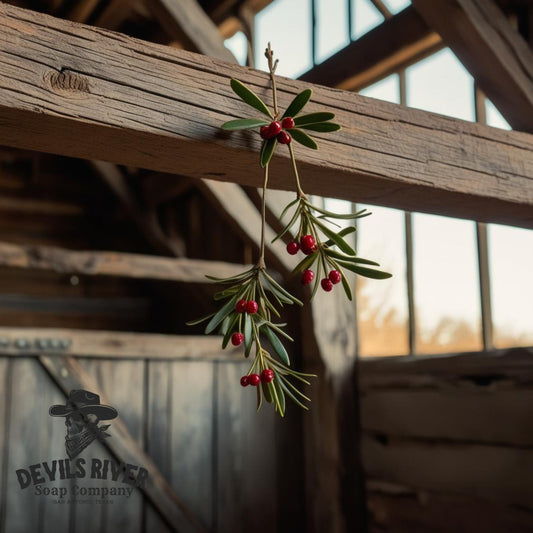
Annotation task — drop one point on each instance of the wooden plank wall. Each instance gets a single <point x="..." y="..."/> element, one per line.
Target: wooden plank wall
<point x="194" y="420"/>
<point x="448" y="442"/>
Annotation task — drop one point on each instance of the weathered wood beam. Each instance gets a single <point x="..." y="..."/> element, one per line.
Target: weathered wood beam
<point x="68" y="374"/>
<point x="187" y="21"/>
<point x="96" y="263"/>
<point x="149" y="106"/>
<point x="398" y="42"/>
<point x="113" y="345"/>
<point x="491" y="49"/>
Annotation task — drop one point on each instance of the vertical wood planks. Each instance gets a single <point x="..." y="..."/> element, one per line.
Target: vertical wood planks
<point x="245" y="455"/>
<point x="192" y="437"/>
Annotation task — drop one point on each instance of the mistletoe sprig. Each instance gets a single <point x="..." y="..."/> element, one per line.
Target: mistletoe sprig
<point x="252" y="299"/>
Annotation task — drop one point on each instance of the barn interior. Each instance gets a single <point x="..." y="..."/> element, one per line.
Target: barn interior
<point x="420" y="419"/>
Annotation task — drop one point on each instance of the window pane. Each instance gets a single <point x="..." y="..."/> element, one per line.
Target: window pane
<point x="396" y="5"/>
<point x="238" y="47"/>
<point x="387" y="89"/>
<point x="332" y="27"/>
<point x="446" y="285"/>
<point x="442" y="85"/>
<point x="494" y="117"/>
<point x="287" y="25"/>
<point x="365" y="16"/>
<point x="382" y="309"/>
<point x="511" y="276"/>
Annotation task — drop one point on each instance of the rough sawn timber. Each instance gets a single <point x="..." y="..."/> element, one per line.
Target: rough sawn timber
<point x="85" y="92"/>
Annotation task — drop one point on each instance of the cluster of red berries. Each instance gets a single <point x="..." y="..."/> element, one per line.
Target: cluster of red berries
<point x="254" y="379"/>
<point x="277" y="129"/>
<point x="248" y="306"/>
<point x="333" y="278"/>
<point x="307" y="245"/>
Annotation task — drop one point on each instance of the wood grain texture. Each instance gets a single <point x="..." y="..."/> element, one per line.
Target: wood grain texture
<point x="491" y="49"/>
<point x="403" y="39"/>
<point x="115" y="344"/>
<point x="95" y="263"/>
<point x="149" y="106"/>
<point x="491" y="472"/>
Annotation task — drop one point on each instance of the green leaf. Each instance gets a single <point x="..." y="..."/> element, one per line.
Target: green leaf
<point x="312" y="118"/>
<point x="324" y="127"/>
<point x="243" y="124"/>
<point x="281" y="289"/>
<point x="267" y="151"/>
<point x="336" y="238"/>
<point x="228" y="292"/>
<point x="342" y="233"/>
<point x="347" y="216"/>
<point x="366" y="272"/>
<point x="277" y="345"/>
<point x="249" y="97"/>
<point x="277" y="401"/>
<point x="350" y="258"/>
<point x="346" y="287"/>
<point x="266" y="391"/>
<point x="281" y="396"/>
<point x="229" y="331"/>
<point x="287" y="207"/>
<point x="298" y="103"/>
<point x="305" y="263"/>
<point x="291" y="395"/>
<point x="302" y="137"/>
<point x="290" y="224"/>
<point x="282" y="299"/>
<point x="199" y="320"/>
<point x="237" y="277"/>
<point x="248" y="335"/>
<point x="223" y="312"/>
<point x="259" y="398"/>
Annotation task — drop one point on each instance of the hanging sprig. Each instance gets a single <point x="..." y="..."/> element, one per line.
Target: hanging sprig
<point x="252" y="300"/>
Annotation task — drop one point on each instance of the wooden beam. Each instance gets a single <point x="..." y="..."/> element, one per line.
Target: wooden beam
<point x="94" y="263"/>
<point x="396" y="43"/>
<point x="113" y="345"/>
<point x="64" y="84"/>
<point x="187" y="21"/>
<point x="68" y="375"/>
<point x="492" y="51"/>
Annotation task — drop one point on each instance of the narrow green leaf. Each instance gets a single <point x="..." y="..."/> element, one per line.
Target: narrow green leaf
<point x="277" y="400"/>
<point x="199" y="320"/>
<point x="292" y="396"/>
<point x="346" y="287"/>
<point x="277" y="345"/>
<point x="287" y="207"/>
<point x="335" y="237"/>
<point x="298" y="103"/>
<point x="324" y="127"/>
<point x="302" y="137"/>
<point x="281" y="395"/>
<point x="237" y="277"/>
<point x="350" y="258"/>
<point x="228" y="292"/>
<point x="281" y="289"/>
<point x="259" y="398"/>
<point x="224" y="311"/>
<point x="357" y="214"/>
<point x="248" y="335"/>
<point x="347" y="216"/>
<point x="305" y="263"/>
<point x="366" y="272"/>
<point x="249" y="97"/>
<point x="229" y="331"/>
<point x="313" y="118"/>
<point x="342" y="233"/>
<point x="289" y="225"/>
<point x="266" y="391"/>
<point x="267" y="151"/>
<point x="243" y="124"/>
<point x="282" y="299"/>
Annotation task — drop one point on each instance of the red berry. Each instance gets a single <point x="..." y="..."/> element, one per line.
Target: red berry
<point x="326" y="284"/>
<point x="240" y="306"/>
<point x="307" y="241"/>
<point x="264" y="132"/>
<point x="288" y="123"/>
<point x="284" y="138"/>
<point x="245" y="380"/>
<point x="237" y="339"/>
<point x="274" y="129"/>
<point x="307" y="277"/>
<point x="267" y="375"/>
<point x="335" y="277"/>
<point x="251" y="307"/>
<point x="254" y="380"/>
<point x="293" y="248"/>
<point x="311" y="250"/>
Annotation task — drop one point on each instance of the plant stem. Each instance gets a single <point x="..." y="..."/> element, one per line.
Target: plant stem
<point x="272" y="69"/>
<point x="299" y="190"/>
<point x="261" y="263"/>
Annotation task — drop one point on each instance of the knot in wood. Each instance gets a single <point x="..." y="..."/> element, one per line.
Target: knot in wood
<point x="68" y="81"/>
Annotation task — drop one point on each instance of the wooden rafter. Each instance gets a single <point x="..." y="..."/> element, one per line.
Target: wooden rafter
<point x="154" y="107"/>
<point x="113" y="345"/>
<point x="94" y="263"/>
<point x="398" y="42"/>
<point x="493" y="52"/>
